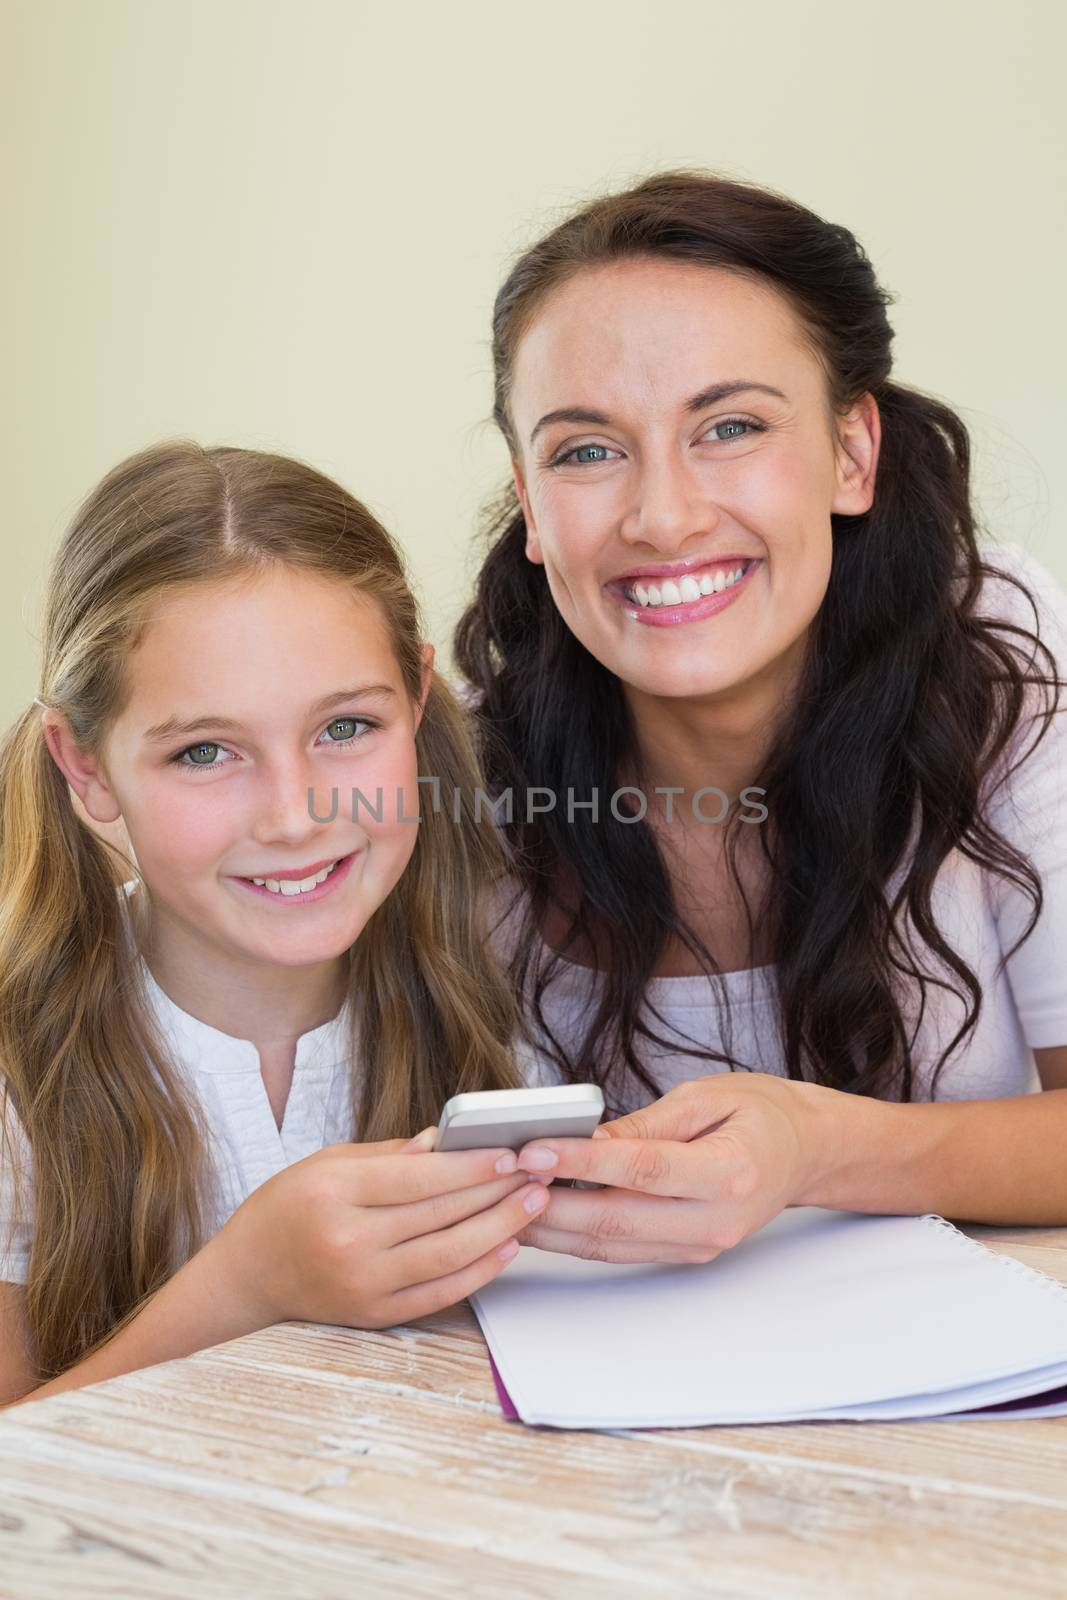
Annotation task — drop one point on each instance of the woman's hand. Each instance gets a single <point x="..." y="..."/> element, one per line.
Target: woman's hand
<point x="689" y="1176"/>
<point x="367" y="1236"/>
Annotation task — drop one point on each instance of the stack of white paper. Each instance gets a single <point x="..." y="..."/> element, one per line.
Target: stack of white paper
<point x="822" y="1314"/>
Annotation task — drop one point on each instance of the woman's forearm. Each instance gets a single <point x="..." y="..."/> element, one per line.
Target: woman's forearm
<point x="998" y="1161"/>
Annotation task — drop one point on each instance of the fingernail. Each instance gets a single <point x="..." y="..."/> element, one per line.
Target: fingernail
<point x="535" y="1199"/>
<point x="539" y="1159"/>
<point x="508" y="1162"/>
<point x="508" y="1250"/>
<point x="423" y="1140"/>
<point x="601" y="1133"/>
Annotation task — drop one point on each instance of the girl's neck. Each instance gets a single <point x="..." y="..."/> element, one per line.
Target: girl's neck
<point x="270" y="1006"/>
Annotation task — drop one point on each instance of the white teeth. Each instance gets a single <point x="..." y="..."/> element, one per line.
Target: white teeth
<point x="291" y="886"/>
<point x="688" y="589"/>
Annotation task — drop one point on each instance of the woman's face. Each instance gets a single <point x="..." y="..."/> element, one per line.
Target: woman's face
<point x="644" y="489"/>
<point x="280" y="691"/>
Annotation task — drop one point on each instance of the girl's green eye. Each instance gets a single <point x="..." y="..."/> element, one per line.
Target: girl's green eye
<point x="359" y="727"/>
<point x="195" y="747"/>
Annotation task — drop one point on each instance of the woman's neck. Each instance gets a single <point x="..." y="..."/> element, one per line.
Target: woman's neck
<point x="720" y="742"/>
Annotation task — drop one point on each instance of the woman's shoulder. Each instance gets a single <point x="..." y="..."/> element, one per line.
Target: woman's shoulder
<point x="1015" y="575"/>
<point x="1025" y="791"/>
<point x="468" y="694"/>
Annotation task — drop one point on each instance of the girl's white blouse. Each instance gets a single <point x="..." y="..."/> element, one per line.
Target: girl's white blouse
<point x="224" y="1074"/>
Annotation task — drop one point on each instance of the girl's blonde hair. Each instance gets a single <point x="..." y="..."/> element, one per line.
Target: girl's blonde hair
<point x="120" y="1169"/>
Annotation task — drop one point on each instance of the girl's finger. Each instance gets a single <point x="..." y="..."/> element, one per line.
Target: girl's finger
<point x="422" y="1299"/>
<point x="378" y="1147"/>
<point x="385" y="1181"/>
<point x="634" y="1251"/>
<point x="417" y="1217"/>
<point x="438" y="1255"/>
<point x="422" y="1141"/>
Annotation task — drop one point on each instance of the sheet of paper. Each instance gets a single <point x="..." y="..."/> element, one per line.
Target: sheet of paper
<point x="821" y="1315"/>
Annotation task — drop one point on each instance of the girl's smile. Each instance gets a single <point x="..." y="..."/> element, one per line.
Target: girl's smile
<point x="302" y="887"/>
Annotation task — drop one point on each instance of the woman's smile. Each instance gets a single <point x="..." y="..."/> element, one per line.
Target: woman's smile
<point x="691" y="594"/>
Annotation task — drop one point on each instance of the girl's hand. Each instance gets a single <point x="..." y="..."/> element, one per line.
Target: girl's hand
<point x="689" y="1176"/>
<point x="367" y="1236"/>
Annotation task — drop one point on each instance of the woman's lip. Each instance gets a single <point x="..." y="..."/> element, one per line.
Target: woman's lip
<point x="678" y="569"/>
<point x="320" y="891"/>
<point x="693" y="611"/>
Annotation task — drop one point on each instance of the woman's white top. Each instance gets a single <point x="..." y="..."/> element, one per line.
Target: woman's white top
<point x="980" y="916"/>
<point x="224" y="1075"/>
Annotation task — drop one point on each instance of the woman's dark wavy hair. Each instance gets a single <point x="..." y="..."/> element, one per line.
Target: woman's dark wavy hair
<point x="909" y="696"/>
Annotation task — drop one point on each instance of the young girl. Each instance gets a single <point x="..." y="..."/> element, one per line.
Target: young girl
<point x="233" y="670"/>
<point x="735" y="595"/>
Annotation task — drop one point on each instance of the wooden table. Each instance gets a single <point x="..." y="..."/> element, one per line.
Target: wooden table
<point x="318" y="1461"/>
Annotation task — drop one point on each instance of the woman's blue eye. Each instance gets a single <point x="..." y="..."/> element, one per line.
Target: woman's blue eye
<point x="212" y="766"/>
<point x="591" y="455"/>
<point x="580" y="450"/>
<point x="737" y="422"/>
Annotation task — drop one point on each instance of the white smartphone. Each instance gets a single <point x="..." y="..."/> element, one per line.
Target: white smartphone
<point x="510" y="1118"/>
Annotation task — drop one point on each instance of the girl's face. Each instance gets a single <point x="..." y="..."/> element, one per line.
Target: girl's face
<point x="277" y="692"/>
<point x="672" y="427"/>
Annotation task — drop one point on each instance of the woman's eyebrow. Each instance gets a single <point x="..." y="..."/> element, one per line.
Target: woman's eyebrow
<point x="706" y="397"/>
<point x="172" y="727"/>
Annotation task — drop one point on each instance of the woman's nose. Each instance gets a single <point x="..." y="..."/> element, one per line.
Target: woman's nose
<point x="669" y="505"/>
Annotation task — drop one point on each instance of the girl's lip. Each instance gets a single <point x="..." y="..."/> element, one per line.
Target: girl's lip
<point x="694" y="611"/>
<point x="320" y="891"/>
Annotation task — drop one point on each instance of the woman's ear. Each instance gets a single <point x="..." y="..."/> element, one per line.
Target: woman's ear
<point x="533" y="543"/>
<point x="427" y="653"/>
<point x="84" y="773"/>
<point x="859" y="438"/>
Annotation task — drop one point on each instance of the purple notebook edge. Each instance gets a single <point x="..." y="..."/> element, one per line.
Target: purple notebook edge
<point x="1048" y="1397"/>
<point x="507" y="1404"/>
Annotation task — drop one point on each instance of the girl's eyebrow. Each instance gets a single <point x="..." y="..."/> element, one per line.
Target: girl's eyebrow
<point x="172" y="726"/>
<point x="706" y="397"/>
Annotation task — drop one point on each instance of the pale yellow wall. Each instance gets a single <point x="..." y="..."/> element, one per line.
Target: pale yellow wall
<point x="282" y="224"/>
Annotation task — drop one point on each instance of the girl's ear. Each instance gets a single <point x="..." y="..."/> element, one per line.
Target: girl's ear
<point x="533" y="543"/>
<point x="84" y="773"/>
<point x="427" y="654"/>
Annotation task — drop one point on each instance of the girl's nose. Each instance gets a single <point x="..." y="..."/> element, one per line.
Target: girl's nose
<point x="294" y="801"/>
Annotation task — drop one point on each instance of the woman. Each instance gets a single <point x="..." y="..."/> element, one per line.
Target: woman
<point x="738" y="557"/>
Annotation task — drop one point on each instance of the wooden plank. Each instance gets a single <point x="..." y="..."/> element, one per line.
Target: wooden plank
<point x="266" y="1472"/>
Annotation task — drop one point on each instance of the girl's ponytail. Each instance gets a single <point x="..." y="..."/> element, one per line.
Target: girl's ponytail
<point x="114" y="1153"/>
